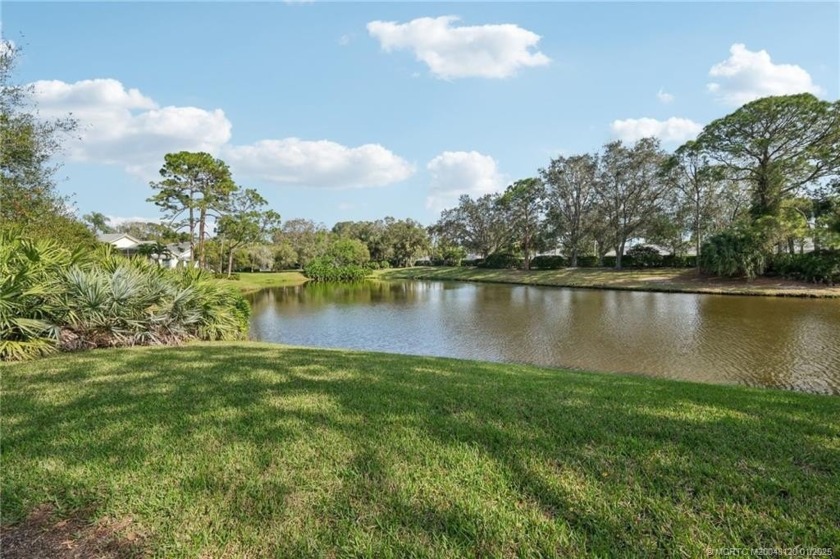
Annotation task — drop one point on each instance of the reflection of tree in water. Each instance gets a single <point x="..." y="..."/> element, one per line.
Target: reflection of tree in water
<point x="747" y="340"/>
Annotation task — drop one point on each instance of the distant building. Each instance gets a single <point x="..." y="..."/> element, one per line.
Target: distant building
<point x="176" y="254"/>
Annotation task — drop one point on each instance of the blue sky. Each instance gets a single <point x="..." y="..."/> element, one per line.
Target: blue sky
<point x="334" y="117"/>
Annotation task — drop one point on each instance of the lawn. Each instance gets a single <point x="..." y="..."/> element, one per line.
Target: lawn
<point x="656" y="279"/>
<point x="255" y="450"/>
<point x="249" y="282"/>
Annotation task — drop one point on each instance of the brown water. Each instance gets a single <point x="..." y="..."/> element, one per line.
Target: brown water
<point x="757" y="341"/>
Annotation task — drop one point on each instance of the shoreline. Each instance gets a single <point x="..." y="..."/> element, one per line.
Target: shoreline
<point x="656" y="280"/>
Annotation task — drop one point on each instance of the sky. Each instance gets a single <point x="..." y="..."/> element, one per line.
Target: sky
<point x="340" y="111"/>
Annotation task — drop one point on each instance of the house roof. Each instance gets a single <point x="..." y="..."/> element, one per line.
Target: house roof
<point x="114" y="237"/>
<point x="179" y="249"/>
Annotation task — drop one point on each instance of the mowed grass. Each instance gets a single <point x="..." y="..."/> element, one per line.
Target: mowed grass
<point x="254" y="450"/>
<point x="657" y="279"/>
<point x="249" y="282"/>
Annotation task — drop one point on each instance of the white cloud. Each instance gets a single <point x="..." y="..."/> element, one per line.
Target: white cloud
<point x="318" y="163"/>
<point x="674" y="129"/>
<point x="664" y="96"/>
<point x="486" y="51"/>
<point x="454" y="173"/>
<point x="121" y="126"/>
<point x="747" y="75"/>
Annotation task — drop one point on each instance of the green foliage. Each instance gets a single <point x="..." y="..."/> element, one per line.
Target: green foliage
<point x="587" y="261"/>
<point x="501" y="260"/>
<point x="28" y="162"/>
<point x="548" y="262"/>
<point x="30" y="278"/>
<point x="777" y="146"/>
<point x="347" y="252"/>
<point x="737" y="252"/>
<point x="644" y="256"/>
<point x="822" y="267"/>
<point x="679" y="261"/>
<point x="52" y="298"/>
<point x="324" y="270"/>
<point x="384" y="264"/>
<point x="192" y="186"/>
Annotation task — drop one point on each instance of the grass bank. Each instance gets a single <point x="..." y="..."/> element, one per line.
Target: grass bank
<point x="249" y="282"/>
<point x="253" y="450"/>
<point x="658" y="279"/>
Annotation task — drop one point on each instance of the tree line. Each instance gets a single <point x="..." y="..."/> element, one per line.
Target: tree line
<point x="761" y="180"/>
<point x="758" y="182"/>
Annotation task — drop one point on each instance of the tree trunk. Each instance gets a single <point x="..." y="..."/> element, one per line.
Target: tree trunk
<point x="619" y="252"/>
<point x="192" y="235"/>
<point x="202" y="219"/>
<point x="230" y="262"/>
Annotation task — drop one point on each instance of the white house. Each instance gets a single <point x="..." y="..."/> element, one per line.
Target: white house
<point x="177" y="254"/>
<point x="120" y="241"/>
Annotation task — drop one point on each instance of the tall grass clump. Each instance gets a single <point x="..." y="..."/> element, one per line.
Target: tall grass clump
<point x="54" y="299"/>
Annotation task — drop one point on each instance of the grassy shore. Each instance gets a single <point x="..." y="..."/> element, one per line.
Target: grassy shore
<point x="249" y="282"/>
<point x="254" y="450"/>
<point x="659" y="279"/>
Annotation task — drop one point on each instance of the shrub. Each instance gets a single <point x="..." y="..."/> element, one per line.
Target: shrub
<point x="501" y="260"/>
<point x="384" y="265"/>
<point x="816" y="267"/>
<point x="679" y="261"/>
<point x="474" y="262"/>
<point x="372" y="265"/>
<point x="52" y="298"/>
<point x="322" y="270"/>
<point x="29" y="280"/>
<point x="425" y="263"/>
<point x="548" y="262"/>
<point x="588" y="261"/>
<point x="643" y="256"/>
<point x="735" y="252"/>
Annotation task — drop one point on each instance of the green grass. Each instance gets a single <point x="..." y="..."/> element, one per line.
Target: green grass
<point x="254" y="450"/>
<point x="658" y="279"/>
<point x="249" y="282"/>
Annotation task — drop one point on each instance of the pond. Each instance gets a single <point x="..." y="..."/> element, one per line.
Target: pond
<point x="758" y="341"/>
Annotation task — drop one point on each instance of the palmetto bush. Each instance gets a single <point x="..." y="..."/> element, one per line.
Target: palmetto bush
<point x="30" y="277"/>
<point x="53" y="299"/>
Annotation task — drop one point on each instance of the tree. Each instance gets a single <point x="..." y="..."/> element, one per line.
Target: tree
<point x="477" y="225"/>
<point x="407" y="239"/>
<point x="777" y="146"/>
<point x="346" y="252"/>
<point x="30" y="204"/>
<point x="699" y="188"/>
<point x="629" y="188"/>
<point x="524" y="202"/>
<point x="305" y="237"/>
<point x="98" y="223"/>
<point x="245" y="222"/>
<point x="826" y="213"/>
<point x="193" y="186"/>
<point x="372" y="233"/>
<point x="570" y="201"/>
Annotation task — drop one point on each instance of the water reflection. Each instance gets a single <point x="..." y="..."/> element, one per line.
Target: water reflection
<point x="785" y="343"/>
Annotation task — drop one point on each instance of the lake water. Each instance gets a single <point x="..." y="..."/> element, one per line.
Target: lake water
<point x="759" y="341"/>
